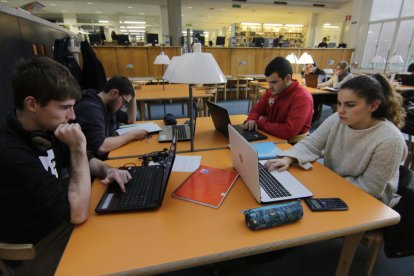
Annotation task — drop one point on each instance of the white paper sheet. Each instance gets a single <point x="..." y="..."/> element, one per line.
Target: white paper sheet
<point x="186" y="163"/>
<point x="150" y="127"/>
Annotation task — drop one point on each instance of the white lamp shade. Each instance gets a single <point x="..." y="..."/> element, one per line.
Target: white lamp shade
<point x="162" y="59"/>
<point x="292" y="58"/>
<point x="170" y="69"/>
<point x="200" y="68"/>
<point x="305" y="58"/>
<point x="396" y="59"/>
<point x="378" y="59"/>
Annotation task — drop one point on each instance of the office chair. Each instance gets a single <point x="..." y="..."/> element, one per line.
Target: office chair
<point x="375" y="239"/>
<point x="14" y="252"/>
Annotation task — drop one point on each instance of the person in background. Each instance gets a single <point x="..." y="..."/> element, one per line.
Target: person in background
<point x="323" y="44"/>
<point x="96" y="114"/>
<point x="278" y="42"/>
<point x="410" y="68"/>
<point x="44" y="168"/>
<point x="361" y="142"/>
<point x="341" y="75"/>
<point x="286" y="108"/>
<point x="312" y="69"/>
<point x="114" y="37"/>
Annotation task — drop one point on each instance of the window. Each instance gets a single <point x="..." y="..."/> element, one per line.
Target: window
<point x="385" y="9"/>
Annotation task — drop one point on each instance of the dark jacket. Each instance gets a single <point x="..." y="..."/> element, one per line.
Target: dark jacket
<point x="93" y="73"/>
<point x="96" y="121"/>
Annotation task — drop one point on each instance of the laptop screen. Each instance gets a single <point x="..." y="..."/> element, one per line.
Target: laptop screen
<point x="169" y="162"/>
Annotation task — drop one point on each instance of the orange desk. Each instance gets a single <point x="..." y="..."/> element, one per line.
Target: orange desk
<point x="206" y="137"/>
<point x="147" y="93"/>
<point x="404" y="88"/>
<point x="182" y="234"/>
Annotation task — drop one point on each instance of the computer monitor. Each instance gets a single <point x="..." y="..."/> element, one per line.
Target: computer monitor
<point x="259" y="41"/>
<point x="95" y="39"/>
<point x="122" y="39"/>
<point x="152" y="38"/>
<point x="202" y="40"/>
<point x="220" y="40"/>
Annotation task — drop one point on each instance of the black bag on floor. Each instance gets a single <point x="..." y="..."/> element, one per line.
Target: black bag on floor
<point x="399" y="238"/>
<point x="409" y="109"/>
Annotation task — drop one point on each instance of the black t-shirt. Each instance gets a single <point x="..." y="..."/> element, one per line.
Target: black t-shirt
<point x="33" y="190"/>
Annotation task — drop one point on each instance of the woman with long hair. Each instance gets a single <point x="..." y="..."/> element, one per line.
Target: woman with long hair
<point x="361" y="142"/>
<point x="342" y="74"/>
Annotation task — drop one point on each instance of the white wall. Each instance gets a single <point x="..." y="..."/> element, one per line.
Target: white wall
<point x="335" y="18"/>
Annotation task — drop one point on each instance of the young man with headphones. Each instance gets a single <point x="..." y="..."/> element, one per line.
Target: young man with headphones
<point x="97" y="114"/>
<point x="45" y="171"/>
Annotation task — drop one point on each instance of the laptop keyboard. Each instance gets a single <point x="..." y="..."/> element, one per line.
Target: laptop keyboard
<point x="143" y="188"/>
<point x="270" y="184"/>
<point x="180" y="131"/>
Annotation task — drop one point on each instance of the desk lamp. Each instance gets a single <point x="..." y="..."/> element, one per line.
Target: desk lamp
<point x="196" y="68"/>
<point x="171" y="67"/>
<point x="293" y="59"/>
<point x="396" y="63"/>
<point x="242" y="62"/>
<point x="305" y="58"/>
<point x="162" y="59"/>
<point x="378" y="62"/>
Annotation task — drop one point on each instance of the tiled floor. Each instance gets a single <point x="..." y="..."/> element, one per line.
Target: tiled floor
<point x="313" y="259"/>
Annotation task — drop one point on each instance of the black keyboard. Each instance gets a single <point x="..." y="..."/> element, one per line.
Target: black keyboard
<point x="270" y="184"/>
<point x="180" y="131"/>
<point x="144" y="188"/>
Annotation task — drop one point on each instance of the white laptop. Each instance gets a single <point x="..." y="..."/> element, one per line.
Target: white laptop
<point x="246" y="163"/>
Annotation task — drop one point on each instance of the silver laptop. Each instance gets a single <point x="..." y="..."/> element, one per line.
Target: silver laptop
<point x="182" y="131"/>
<point x="265" y="186"/>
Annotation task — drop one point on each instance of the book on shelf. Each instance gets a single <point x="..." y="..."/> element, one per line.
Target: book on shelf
<point x="266" y="150"/>
<point x="207" y="186"/>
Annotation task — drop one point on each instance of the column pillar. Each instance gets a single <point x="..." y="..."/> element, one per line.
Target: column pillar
<point x="164" y="26"/>
<point x="174" y="21"/>
<point x="311" y="33"/>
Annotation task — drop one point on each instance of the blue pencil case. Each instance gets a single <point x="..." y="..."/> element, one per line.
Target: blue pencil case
<point x="273" y="215"/>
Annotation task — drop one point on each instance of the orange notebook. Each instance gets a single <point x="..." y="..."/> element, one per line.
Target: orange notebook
<point x="207" y="186"/>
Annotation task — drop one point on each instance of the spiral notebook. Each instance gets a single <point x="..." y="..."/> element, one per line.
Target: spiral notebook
<point x="207" y="186"/>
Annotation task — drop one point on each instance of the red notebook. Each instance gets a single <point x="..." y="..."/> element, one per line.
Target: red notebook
<point x="207" y="186"/>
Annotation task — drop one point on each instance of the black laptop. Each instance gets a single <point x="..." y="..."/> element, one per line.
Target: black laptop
<point x="221" y="119"/>
<point x="144" y="191"/>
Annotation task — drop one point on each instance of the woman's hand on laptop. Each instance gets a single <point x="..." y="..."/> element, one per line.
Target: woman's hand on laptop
<point x="250" y="124"/>
<point x="120" y="176"/>
<point x="279" y="164"/>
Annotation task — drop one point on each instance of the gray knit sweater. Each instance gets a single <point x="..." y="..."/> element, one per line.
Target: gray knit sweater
<point x="369" y="158"/>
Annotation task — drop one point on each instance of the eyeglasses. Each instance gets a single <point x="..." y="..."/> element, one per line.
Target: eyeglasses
<point x="124" y="102"/>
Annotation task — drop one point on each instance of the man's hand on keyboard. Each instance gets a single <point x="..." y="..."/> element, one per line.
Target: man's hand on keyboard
<point x="280" y="164"/>
<point x="120" y="176"/>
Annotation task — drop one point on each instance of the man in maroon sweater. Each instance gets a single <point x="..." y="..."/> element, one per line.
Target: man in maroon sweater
<point x="286" y="109"/>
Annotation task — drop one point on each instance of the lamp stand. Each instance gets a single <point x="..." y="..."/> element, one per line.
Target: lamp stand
<point x="190" y="113"/>
<point x="162" y="74"/>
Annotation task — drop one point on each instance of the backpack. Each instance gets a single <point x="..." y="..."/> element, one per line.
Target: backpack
<point x="399" y="238"/>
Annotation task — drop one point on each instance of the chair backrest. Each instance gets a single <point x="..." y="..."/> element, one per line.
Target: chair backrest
<point x="399" y="238"/>
<point x="15" y="252"/>
<point x="311" y="80"/>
